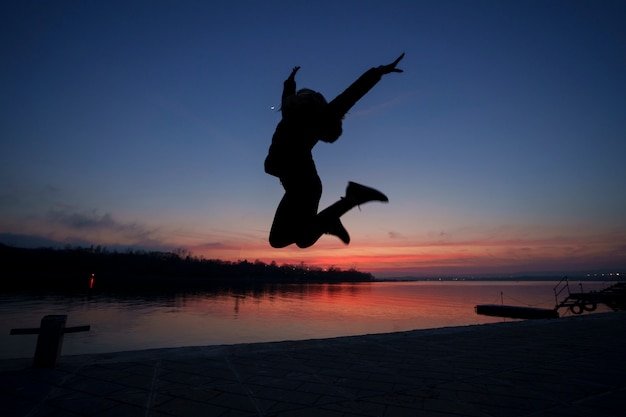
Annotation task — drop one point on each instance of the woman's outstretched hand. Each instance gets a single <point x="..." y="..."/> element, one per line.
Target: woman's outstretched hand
<point x="293" y="73"/>
<point x="386" y="69"/>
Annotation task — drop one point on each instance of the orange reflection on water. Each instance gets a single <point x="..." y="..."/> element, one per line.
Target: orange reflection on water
<point x="265" y="313"/>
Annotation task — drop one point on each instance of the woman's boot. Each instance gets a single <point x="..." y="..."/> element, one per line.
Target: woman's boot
<point x="359" y="194"/>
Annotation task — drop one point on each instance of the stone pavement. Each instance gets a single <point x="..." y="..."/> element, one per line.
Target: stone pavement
<point x="564" y="367"/>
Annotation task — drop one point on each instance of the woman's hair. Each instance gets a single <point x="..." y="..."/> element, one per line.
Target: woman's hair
<point x="332" y="129"/>
<point x="305" y="100"/>
<point x="311" y="108"/>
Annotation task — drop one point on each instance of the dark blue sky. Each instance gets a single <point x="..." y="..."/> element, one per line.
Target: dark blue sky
<point x="501" y="146"/>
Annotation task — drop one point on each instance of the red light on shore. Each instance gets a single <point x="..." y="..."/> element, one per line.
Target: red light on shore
<point x="92" y="280"/>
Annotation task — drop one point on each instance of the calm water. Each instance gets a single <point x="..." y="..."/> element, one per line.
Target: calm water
<point x="270" y="313"/>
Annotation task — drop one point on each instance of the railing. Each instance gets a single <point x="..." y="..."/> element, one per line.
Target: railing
<point x="50" y="339"/>
<point x="559" y="288"/>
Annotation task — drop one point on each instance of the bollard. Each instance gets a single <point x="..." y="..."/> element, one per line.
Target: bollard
<point x="50" y="340"/>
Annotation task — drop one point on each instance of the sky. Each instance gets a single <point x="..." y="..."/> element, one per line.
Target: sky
<point x="145" y="124"/>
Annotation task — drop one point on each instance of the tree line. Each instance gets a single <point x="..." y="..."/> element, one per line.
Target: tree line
<point x="79" y="267"/>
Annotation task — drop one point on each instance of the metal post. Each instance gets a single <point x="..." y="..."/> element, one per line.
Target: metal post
<point x="50" y="341"/>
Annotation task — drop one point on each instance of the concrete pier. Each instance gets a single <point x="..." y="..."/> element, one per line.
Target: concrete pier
<point x="568" y="367"/>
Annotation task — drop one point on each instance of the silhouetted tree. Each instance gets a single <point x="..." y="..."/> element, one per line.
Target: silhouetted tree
<point x="70" y="268"/>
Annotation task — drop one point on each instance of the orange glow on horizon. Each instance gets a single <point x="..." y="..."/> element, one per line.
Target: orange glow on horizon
<point x="442" y="257"/>
<point x="470" y="252"/>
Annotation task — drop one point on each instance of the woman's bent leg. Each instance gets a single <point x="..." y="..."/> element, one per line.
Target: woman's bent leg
<point x="282" y="231"/>
<point x="295" y="218"/>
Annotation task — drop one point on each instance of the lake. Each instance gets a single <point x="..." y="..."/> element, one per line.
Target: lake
<point x="271" y="312"/>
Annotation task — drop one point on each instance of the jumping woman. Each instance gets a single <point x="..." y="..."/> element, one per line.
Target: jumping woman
<point x="306" y="119"/>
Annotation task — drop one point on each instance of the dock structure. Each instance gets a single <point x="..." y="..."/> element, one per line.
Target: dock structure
<point x="516" y="312"/>
<point x="613" y="296"/>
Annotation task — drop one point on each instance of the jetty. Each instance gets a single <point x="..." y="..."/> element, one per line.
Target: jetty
<point x="614" y="297"/>
<point x="516" y="312"/>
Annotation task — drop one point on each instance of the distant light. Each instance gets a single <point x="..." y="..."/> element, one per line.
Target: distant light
<point x="271" y="107"/>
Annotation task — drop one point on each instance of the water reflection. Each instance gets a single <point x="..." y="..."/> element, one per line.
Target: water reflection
<point x="256" y="314"/>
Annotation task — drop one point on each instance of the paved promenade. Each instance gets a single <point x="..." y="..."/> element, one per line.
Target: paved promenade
<point x="569" y="367"/>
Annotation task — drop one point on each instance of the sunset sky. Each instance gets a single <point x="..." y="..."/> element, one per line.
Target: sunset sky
<point x="144" y="124"/>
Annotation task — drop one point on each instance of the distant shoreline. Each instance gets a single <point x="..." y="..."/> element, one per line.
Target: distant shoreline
<point x="546" y="278"/>
<point x="81" y="268"/>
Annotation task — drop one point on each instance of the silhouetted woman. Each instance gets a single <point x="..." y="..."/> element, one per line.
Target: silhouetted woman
<point x="307" y="118"/>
